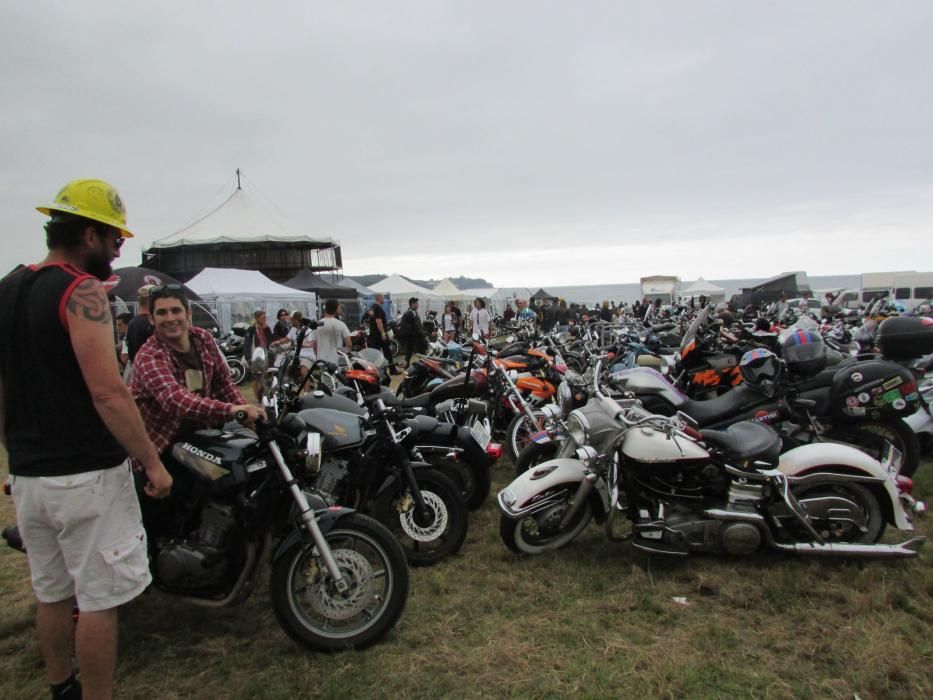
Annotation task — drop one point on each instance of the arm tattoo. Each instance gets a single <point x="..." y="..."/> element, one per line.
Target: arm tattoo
<point x="88" y="300"/>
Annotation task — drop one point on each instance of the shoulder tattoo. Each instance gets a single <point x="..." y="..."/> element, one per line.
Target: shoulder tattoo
<point x="89" y="302"/>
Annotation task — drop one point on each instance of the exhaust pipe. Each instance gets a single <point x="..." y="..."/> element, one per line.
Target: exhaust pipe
<point x="907" y="549"/>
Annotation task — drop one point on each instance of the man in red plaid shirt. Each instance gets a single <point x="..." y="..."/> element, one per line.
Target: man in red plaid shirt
<point x="180" y="380"/>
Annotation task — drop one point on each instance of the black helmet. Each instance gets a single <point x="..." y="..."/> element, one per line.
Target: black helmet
<point x="762" y="370"/>
<point x="804" y="353"/>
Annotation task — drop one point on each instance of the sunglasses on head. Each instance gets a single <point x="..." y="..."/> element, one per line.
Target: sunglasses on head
<point x="161" y="288"/>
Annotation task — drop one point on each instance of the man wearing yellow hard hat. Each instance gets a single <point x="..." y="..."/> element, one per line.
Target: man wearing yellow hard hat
<point x="69" y="423"/>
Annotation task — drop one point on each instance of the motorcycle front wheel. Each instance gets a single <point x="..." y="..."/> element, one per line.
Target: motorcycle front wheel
<point x="541" y="531"/>
<point x="315" y="614"/>
<point x="518" y="434"/>
<point x="425" y="540"/>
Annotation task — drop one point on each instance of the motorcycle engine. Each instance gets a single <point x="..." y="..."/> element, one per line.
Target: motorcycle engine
<point x="701" y="534"/>
<point x="198" y="563"/>
<point x="333" y="472"/>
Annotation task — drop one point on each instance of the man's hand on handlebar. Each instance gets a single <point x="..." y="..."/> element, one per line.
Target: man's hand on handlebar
<point x="247" y="414"/>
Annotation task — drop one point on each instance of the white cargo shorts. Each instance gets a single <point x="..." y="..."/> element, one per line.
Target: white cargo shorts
<point x="84" y="537"/>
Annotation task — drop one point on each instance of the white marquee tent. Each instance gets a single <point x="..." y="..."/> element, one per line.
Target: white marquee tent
<point x="238" y="293"/>
<point x="703" y="288"/>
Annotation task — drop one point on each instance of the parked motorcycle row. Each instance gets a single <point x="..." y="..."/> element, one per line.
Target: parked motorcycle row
<point x="685" y="437"/>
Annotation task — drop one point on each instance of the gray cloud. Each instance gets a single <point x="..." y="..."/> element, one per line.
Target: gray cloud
<point x="421" y="129"/>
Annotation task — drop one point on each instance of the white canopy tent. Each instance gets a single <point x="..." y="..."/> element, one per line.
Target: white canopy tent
<point x="447" y="289"/>
<point x="238" y="293"/>
<point x="241" y="218"/>
<point x="402" y="289"/>
<point x="702" y="288"/>
<point x="398" y="286"/>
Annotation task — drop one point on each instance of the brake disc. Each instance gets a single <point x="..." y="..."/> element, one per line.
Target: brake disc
<point x="437" y="526"/>
<point x="323" y="596"/>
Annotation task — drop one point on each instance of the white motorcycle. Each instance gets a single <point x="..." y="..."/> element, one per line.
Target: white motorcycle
<point x="684" y="490"/>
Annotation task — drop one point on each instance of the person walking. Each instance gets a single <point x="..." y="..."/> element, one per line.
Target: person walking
<point x="479" y="318"/>
<point x="449" y="324"/>
<point x="411" y="332"/>
<point x="331" y="334"/>
<point x="379" y="331"/>
<point x="69" y="423"/>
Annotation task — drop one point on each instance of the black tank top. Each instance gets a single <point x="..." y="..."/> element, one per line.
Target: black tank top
<point x="51" y="425"/>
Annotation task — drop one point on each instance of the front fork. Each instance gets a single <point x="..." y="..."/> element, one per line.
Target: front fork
<point x="307" y="517"/>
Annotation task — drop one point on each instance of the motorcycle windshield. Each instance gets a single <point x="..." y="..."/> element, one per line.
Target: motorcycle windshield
<point x="698" y="323"/>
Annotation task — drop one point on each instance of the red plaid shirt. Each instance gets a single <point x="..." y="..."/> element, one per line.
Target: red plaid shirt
<point x="158" y="385"/>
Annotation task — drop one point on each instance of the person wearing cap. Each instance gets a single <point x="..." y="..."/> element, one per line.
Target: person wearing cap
<point x="69" y="425"/>
<point x="411" y="332"/>
<point x="138" y="331"/>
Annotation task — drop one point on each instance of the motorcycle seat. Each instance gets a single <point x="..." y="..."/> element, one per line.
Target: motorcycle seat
<point x="746" y="441"/>
<point x="721" y="407"/>
<point x="422" y="426"/>
<point x="419" y="401"/>
<point x="819" y="381"/>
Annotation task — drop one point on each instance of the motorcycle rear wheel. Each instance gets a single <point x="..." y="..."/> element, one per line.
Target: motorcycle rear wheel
<point x="474" y="482"/>
<point x="314" y="614"/>
<point x="869" y="436"/>
<point x="425" y="544"/>
<point x="840" y="531"/>
<point x="238" y="371"/>
<point x="534" y="454"/>
<point x="525" y="535"/>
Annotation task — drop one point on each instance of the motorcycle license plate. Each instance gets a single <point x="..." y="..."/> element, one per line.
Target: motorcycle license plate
<point x="480" y="434"/>
<point x="891" y="459"/>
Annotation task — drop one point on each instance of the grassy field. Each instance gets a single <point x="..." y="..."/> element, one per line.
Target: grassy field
<point x="596" y="620"/>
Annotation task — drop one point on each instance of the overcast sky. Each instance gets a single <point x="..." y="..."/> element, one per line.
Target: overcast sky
<point x="530" y="143"/>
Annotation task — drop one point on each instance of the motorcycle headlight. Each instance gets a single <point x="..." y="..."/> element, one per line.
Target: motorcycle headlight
<point x="314" y="452"/>
<point x="565" y="398"/>
<point x="578" y="427"/>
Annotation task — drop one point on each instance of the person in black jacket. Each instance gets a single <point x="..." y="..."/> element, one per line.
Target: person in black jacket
<point x="282" y="325"/>
<point x="411" y="332"/>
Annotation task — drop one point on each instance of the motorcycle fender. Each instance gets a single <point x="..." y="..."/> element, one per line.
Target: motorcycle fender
<point x="523" y="495"/>
<point x="826" y="455"/>
<point x="920" y="421"/>
<point x="391" y="479"/>
<point x="326" y="519"/>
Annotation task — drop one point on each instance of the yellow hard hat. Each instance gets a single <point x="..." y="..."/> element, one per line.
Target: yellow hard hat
<point x="92" y="199"/>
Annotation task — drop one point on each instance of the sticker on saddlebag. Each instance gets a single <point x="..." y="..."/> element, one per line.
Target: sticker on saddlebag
<point x="892" y="396"/>
<point x="852" y="401"/>
<point x="863" y="397"/>
<point x="856" y="377"/>
<point x="891" y="383"/>
<point x="899" y="404"/>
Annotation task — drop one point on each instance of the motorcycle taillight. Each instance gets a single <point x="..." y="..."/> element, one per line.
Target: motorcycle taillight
<point x="904" y="484"/>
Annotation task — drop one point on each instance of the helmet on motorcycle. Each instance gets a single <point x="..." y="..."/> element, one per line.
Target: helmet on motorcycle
<point x="762" y="370"/>
<point x="804" y="353"/>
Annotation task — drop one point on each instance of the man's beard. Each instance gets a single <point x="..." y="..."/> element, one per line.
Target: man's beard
<point x="98" y="264"/>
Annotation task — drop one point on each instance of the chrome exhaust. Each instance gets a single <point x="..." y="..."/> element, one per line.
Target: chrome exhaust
<point x="910" y="548"/>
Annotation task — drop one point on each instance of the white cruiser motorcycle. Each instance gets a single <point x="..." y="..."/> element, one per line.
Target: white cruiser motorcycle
<point x="684" y="490"/>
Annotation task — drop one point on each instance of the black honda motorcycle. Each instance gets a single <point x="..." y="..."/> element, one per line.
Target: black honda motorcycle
<point x="338" y="579"/>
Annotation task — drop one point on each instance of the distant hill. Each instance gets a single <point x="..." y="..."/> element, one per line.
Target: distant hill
<point x="461" y="282"/>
